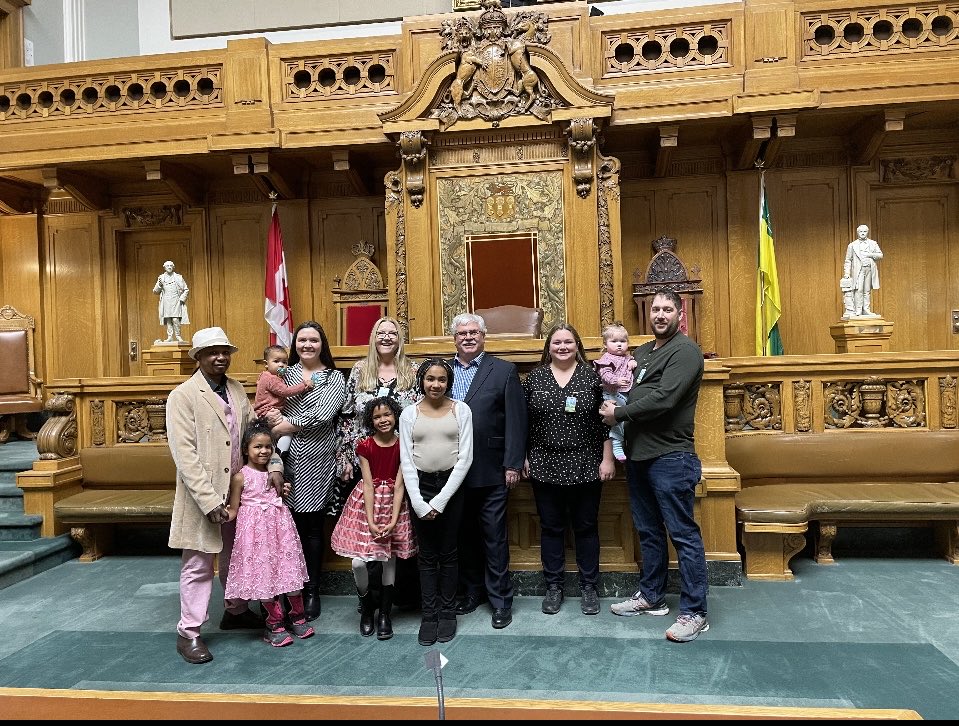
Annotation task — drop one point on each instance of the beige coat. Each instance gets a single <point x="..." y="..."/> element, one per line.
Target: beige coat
<point x="200" y="444"/>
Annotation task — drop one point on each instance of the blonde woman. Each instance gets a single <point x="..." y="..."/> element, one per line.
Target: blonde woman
<point x="385" y="372"/>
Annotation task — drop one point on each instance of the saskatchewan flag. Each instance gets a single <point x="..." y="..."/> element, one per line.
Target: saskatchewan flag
<point x="768" y="302"/>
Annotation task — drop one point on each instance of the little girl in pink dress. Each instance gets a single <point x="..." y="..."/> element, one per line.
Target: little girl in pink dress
<point x="267" y="559"/>
<point x="375" y="524"/>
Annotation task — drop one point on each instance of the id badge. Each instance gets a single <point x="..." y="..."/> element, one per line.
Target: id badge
<point x="642" y="373"/>
<point x="383" y="392"/>
<point x="571" y="404"/>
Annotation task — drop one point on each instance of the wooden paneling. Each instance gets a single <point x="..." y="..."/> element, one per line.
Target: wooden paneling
<point x="917" y="229"/>
<point x="639" y="224"/>
<point x="73" y="327"/>
<point x="809" y="210"/>
<point x="238" y="239"/>
<point x="20" y="264"/>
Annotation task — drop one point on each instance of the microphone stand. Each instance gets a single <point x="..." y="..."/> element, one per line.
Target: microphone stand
<point x="434" y="664"/>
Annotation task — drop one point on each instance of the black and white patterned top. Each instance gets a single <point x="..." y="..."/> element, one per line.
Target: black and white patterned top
<point x="565" y="447"/>
<point x="311" y="461"/>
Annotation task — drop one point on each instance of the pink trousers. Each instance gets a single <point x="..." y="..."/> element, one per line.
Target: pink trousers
<point x="196" y="584"/>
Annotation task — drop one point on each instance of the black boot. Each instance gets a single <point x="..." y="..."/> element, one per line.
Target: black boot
<point x="447" y="626"/>
<point x="384" y="626"/>
<point x="366" y="614"/>
<point x="311" y="601"/>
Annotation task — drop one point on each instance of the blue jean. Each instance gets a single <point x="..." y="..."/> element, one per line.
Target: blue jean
<point x="661" y="495"/>
<point x="616" y="431"/>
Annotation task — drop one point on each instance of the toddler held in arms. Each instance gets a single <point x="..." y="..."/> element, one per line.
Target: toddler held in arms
<point x="272" y="391"/>
<point x="615" y="368"/>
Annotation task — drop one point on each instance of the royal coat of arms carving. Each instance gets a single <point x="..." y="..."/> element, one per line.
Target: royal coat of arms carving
<point x="494" y="78"/>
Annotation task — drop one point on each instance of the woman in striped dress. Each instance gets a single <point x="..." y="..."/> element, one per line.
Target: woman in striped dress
<point x="311" y="462"/>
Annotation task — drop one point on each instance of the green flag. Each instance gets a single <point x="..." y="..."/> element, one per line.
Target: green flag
<point x="768" y="301"/>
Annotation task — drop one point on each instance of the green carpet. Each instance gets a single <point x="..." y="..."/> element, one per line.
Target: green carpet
<point x="867" y="675"/>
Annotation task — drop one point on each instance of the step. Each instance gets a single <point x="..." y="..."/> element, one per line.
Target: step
<point x="22" y="560"/>
<point x="11" y="498"/>
<point x="17" y="456"/>
<point x="19" y="527"/>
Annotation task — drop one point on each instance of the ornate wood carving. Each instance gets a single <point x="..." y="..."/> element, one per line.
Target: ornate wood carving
<point x="96" y="422"/>
<point x="948" y="417"/>
<point x="827" y="533"/>
<point x="494" y="79"/>
<point x="753" y="407"/>
<point x="57" y="438"/>
<point x="881" y="30"/>
<point x="608" y="176"/>
<point x="874" y="403"/>
<point x="671" y="48"/>
<point x="156" y="416"/>
<point x="917" y="169"/>
<point x="802" y="404"/>
<point x="168" y="215"/>
<point x="793" y="544"/>
<point x="139" y="91"/>
<point x="529" y="203"/>
<point x="733" y="396"/>
<point x="413" y="152"/>
<point x="394" y="204"/>
<point x="133" y="424"/>
<point x="343" y="76"/>
<point x="582" y="143"/>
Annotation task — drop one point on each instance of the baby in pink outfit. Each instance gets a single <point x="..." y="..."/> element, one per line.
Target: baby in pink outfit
<point x="272" y="391"/>
<point x="615" y="368"/>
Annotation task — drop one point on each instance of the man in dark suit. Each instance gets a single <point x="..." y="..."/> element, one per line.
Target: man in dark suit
<point x="491" y="388"/>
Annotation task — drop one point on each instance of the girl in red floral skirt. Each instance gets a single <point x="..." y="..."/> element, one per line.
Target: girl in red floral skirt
<point x="375" y="524"/>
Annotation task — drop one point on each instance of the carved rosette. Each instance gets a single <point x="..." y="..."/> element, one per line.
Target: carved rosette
<point x="802" y="391"/>
<point x="582" y="144"/>
<point x="394" y="205"/>
<point x="57" y="438"/>
<point x="156" y="416"/>
<point x="947" y="403"/>
<point x="608" y="180"/>
<point x="413" y="153"/>
<point x="96" y="423"/>
<point x="133" y="423"/>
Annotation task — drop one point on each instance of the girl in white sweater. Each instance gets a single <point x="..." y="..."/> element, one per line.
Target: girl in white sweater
<point x="436" y="450"/>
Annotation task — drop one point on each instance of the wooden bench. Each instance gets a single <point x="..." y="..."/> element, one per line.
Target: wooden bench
<point x="861" y="477"/>
<point x="123" y="484"/>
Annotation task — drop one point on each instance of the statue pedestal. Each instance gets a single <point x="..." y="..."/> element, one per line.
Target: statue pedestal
<point x="169" y="359"/>
<point x="862" y="335"/>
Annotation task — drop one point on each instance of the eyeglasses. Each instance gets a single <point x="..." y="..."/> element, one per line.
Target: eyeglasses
<point x="386" y="336"/>
<point x="468" y="333"/>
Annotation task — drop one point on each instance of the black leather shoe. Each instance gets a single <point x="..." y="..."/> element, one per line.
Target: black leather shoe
<point x="245" y="620"/>
<point x="193" y="650"/>
<point x="469" y="603"/>
<point x="502" y="617"/>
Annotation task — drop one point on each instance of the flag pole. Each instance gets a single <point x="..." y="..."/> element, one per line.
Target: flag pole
<point x="273" y="197"/>
<point x="760" y="164"/>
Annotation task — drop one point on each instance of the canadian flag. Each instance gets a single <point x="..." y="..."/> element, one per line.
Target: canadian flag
<point x="277" y="312"/>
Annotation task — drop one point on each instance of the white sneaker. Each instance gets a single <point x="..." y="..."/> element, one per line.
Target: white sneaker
<point x="687" y="627"/>
<point x="638" y="605"/>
